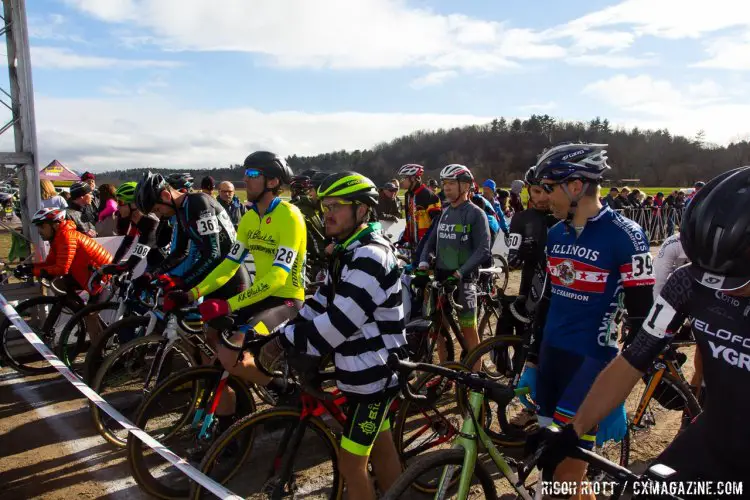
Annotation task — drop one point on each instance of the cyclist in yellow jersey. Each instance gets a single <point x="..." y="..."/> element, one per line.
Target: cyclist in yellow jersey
<point x="271" y="243"/>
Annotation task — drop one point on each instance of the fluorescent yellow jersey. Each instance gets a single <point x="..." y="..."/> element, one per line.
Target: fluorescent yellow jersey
<point x="273" y="248"/>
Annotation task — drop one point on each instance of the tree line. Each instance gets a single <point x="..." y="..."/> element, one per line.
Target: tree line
<point x="504" y="149"/>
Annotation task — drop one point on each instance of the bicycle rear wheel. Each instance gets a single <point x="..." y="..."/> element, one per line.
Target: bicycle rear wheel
<point x="259" y="445"/>
<point x="45" y="315"/>
<point x="429" y="468"/>
<point x="121" y="380"/>
<point x="175" y="414"/>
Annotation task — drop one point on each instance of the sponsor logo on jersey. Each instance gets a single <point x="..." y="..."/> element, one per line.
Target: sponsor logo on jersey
<point x="726" y="298"/>
<point x="712" y="280"/>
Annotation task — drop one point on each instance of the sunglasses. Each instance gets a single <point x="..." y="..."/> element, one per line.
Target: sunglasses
<point x="548" y="188"/>
<point x="253" y="173"/>
<point x="335" y="206"/>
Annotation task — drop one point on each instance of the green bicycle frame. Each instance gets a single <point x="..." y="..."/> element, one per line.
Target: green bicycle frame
<point x="467" y="439"/>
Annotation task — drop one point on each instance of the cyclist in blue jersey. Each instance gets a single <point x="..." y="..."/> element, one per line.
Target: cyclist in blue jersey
<point x="593" y="255"/>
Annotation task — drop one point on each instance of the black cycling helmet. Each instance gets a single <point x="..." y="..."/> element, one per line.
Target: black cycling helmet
<point x="530" y="178"/>
<point x="715" y="231"/>
<point x="148" y="190"/>
<point x="180" y="180"/>
<point x="349" y="186"/>
<point x="272" y="166"/>
<point x="318" y="179"/>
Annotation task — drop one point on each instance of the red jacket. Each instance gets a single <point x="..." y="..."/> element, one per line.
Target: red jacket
<point x="72" y="252"/>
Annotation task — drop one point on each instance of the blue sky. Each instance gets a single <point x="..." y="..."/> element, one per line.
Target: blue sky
<point x="183" y="83"/>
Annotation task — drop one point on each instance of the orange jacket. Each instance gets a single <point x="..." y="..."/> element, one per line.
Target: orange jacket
<point x="72" y="253"/>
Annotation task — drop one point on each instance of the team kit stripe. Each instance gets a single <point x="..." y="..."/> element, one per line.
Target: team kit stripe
<point x="628" y="280"/>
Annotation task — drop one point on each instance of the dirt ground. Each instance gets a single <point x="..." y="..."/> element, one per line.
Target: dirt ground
<point x="49" y="449"/>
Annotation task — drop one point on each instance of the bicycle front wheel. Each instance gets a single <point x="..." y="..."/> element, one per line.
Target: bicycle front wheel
<point x="429" y="470"/>
<point x="121" y="380"/>
<point x="279" y="453"/>
<point x="178" y="414"/>
<point x="73" y="337"/>
<point x="45" y="315"/>
<point x="115" y="335"/>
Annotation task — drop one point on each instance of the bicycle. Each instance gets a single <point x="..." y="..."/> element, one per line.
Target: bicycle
<point x="74" y="334"/>
<point x="465" y="449"/>
<point x="43" y="314"/>
<point x="438" y="321"/>
<point x="135" y="368"/>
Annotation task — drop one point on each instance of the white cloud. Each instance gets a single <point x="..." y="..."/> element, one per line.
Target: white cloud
<point x="335" y="33"/>
<point x="728" y="53"/>
<point x="64" y="58"/>
<point x="650" y="103"/>
<point x="614" y="61"/>
<point x="110" y="133"/>
<point x="433" y="78"/>
<point x="51" y="27"/>
<point x="673" y="19"/>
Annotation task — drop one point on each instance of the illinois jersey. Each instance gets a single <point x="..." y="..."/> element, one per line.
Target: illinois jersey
<point x="587" y="274"/>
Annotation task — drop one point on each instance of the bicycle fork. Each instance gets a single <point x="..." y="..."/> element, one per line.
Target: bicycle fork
<point x="215" y="397"/>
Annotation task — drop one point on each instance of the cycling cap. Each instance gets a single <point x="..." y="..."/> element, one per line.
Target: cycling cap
<point x="456" y="172"/>
<point x="411" y="170"/>
<point x="573" y="161"/>
<point x="272" y="166"/>
<point x="349" y="186"/>
<point x="126" y="192"/>
<point x="48" y="215"/>
<point x="715" y="231"/>
<point x="148" y="190"/>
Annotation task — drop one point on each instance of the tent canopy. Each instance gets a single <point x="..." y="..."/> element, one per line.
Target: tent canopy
<point x="57" y="172"/>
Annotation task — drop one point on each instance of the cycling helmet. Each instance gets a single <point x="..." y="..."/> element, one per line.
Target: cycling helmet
<point x="456" y="172"/>
<point x="301" y="183"/>
<point x="699" y="184"/>
<point x="349" y="186"/>
<point x="126" y="192"/>
<point x="318" y="179"/>
<point x="272" y="166"/>
<point x="310" y="172"/>
<point x="715" y="231"/>
<point x="148" y="191"/>
<point x="573" y="161"/>
<point x="48" y="215"/>
<point x="178" y="181"/>
<point x="411" y="170"/>
<point x="530" y="178"/>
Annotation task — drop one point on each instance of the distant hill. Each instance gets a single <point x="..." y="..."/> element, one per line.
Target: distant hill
<point x="504" y="149"/>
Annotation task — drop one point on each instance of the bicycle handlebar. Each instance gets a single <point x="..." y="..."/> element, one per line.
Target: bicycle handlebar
<point x="476" y="381"/>
<point x="621" y="475"/>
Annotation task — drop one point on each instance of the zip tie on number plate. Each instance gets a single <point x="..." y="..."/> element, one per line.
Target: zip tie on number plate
<point x="152" y="443"/>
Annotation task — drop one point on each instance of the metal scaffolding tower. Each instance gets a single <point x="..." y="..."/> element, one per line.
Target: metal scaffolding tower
<point x="20" y="102"/>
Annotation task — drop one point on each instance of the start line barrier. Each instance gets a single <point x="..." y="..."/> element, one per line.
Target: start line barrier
<point x="166" y="453"/>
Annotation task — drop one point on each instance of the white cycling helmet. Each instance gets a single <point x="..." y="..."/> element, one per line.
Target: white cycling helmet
<point x="48" y="215"/>
<point x="411" y="170"/>
<point x="456" y="172"/>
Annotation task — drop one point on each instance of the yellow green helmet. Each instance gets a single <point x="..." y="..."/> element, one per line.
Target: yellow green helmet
<point x="126" y="192"/>
<point x="349" y="186"/>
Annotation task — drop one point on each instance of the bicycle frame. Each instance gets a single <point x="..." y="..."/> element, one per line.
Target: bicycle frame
<point x="470" y="434"/>
<point x="661" y="365"/>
